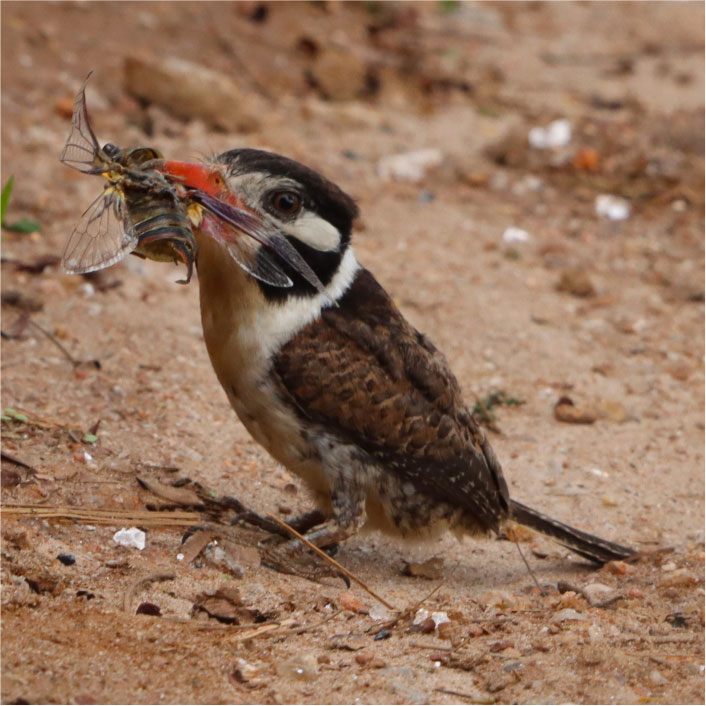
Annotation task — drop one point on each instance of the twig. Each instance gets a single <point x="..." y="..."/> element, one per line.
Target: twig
<point x="320" y="623"/>
<point x="419" y="604"/>
<point x="473" y="698"/>
<point x="103" y="517"/>
<point x="330" y="560"/>
<point x="141" y="583"/>
<point x="55" y="341"/>
<point x="529" y="569"/>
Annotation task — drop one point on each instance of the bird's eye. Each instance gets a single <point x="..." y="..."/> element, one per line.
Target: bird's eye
<point x="286" y="202"/>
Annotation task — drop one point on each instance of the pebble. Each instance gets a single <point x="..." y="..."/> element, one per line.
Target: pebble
<point x="515" y="235"/>
<point x="556" y="134"/>
<point x="566" y="614"/>
<point x="348" y="601"/>
<point x="67" y="559"/>
<point x="132" y="537"/>
<point x="597" y="593"/>
<point x="409" y="166"/>
<point x="438" y="617"/>
<point x="612" y="207"/>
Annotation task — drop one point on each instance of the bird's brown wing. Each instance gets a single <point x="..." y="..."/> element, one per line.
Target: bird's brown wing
<point x="364" y="372"/>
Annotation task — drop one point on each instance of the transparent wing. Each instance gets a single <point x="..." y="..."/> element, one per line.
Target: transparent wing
<point x="82" y="150"/>
<point x="275" y="247"/>
<point x="247" y="252"/>
<point x="102" y="237"/>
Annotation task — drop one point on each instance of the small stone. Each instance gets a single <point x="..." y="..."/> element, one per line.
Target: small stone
<point x="669" y="566"/>
<point x="618" y="568"/>
<point x="635" y="593"/>
<point x="515" y="235"/>
<point x="612" y="207"/>
<point x="566" y="614"/>
<point x="363" y="659"/>
<point x="438" y="617"/>
<point x="380" y="613"/>
<point x="566" y="411"/>
<point x="680" y="577"/>
<point x="148" y="609"/>
<point x="348" y="601"/>
<point x="597" y="593"/>
<point x="67" y="559"/>
<point x="132" y="537"/>
<point x="429" y="569"/>
<point x="556" y="134"/>
<point x="409" y="166"/>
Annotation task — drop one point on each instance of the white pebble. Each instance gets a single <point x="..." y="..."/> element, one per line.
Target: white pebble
<point x="132" y="537"/>
<point x="556" y="134"/>
<point x="612" y="207"/>
<point x="515" y="235"/>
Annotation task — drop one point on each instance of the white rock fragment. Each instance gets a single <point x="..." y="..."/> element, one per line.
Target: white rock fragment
<point x="556" y="134"/>
<point x="409" y="166"/>
<point x="380" y="613"/>
<point x="566" y="614"/>
<point x="439" y="617"/>
<point x="612" y="207"/>
<point x="132" y="537"/>
<point x="515" y="235"/>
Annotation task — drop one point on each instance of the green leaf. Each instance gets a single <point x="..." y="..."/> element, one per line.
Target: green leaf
<point x="23" y="226"/>
<point x="5" y="197"/>
<point x="90" y="438"/>
<point x="14" y="414"/>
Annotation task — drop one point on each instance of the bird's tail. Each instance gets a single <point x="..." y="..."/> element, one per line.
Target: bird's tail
<point x="587" y="545"/>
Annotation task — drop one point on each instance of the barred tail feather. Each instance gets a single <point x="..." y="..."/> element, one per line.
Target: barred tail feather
<point x="587" y="545"/>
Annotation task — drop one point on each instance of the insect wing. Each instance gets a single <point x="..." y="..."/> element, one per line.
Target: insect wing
<point x="247" y="253"/>
<point x="276" y="246"/>
<point x="102" y="237"/>
<point x="82" y="150"/>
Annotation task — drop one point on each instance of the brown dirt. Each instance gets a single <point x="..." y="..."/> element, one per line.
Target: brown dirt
<point x="471" y="83"/>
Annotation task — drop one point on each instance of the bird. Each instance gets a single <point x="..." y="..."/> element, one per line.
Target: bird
<point x="330" y="378"/>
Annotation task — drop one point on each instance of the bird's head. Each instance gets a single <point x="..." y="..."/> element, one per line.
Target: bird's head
<point x="282" y="222"/>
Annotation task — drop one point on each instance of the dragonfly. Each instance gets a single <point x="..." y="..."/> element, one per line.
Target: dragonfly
<point x="138" y="211"/>
<point x="147" y="208"/>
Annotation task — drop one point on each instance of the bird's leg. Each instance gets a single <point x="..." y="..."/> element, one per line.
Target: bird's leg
<point x="301" y="523"/>
<point x="348" y="516"/>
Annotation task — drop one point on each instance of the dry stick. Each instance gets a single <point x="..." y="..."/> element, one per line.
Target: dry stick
<point x="434" y="590"/>
<point x="301" y="631"/>
<point x="54" y="340"/>
<point x="329" y="560"/>
<point x="103" y="517"/>
<point x="529" y="569"/>
<point x="473" y="698"/>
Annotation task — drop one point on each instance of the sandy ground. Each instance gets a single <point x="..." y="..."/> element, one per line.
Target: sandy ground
<point x="341" y="86"/>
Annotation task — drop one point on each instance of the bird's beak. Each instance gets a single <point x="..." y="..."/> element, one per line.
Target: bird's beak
<point x="206" y="190"/>
<point x="205" y="185"/>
